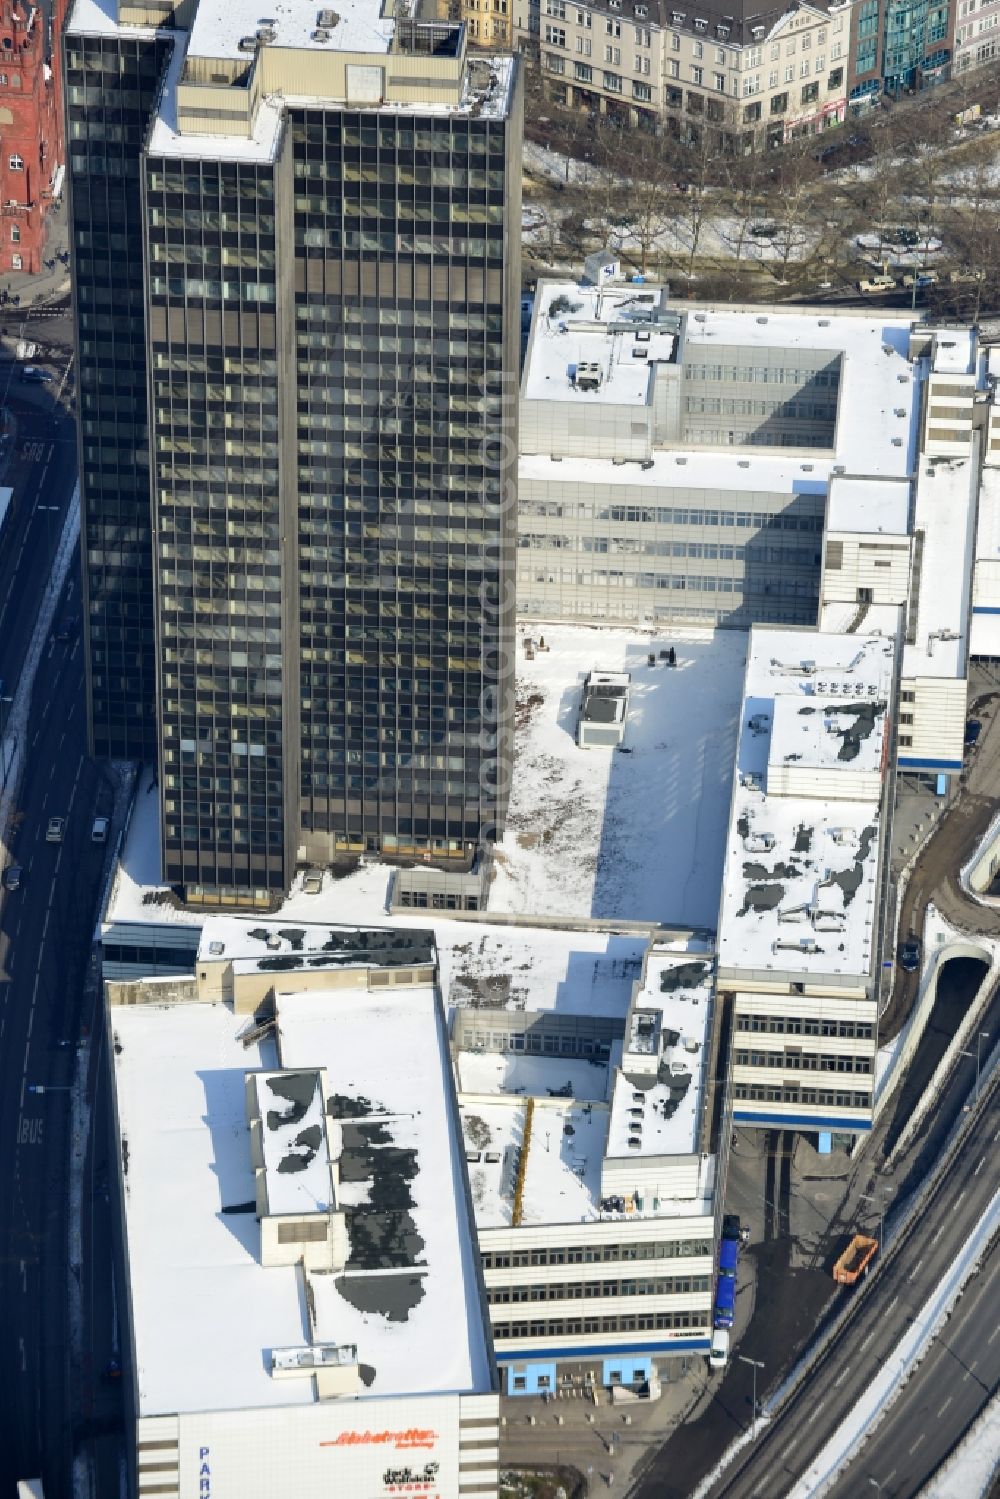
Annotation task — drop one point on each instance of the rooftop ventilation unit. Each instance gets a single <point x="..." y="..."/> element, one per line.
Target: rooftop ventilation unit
<point x="321" y="34"/>
<point x="701" y="317"/>
<point x="589" y="376"/>
<point x="266" y="33"/>
<point x="824" y="322"/>
<point x="216" y="949"/>
<point x="248" y="44"/>
<point x="760" y="319"/>
<point x="839" y="468"/>
<point x="743" y="463"/>
<point x="900" y="411"/>
<point x="327" y="19"/>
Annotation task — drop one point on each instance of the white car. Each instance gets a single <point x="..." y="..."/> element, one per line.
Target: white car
<point x="54" y="831"/>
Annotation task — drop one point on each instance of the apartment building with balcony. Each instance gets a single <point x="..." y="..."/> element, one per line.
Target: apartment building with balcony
<point x="776" y="75"/>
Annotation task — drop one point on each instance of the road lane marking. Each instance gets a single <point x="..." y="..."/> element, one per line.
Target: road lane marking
<point x="915" y="1268"/>
<point x="979" y="1168"/>
<point x="937" y="1236"/>
<point x="917" y="1443"/>
<point x="24" y="1279"/>
<point x="994" y="1334"/>
<point x="892" y="1303"/>
<point x="864" y="1345"/>
<point x="24" y="1358"/>
<point x="945" y="1406"/>
<point x="842" y="1376"/>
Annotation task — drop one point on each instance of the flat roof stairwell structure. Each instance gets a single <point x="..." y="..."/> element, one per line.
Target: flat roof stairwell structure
<point x="798" y="946"/>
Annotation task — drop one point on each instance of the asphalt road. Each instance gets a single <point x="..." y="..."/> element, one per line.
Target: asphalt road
<point x="954" y="1382"/>
<point x="50" y="1408"/>
<point x="793" y="1303"/>
<point x="888" y="1304"/>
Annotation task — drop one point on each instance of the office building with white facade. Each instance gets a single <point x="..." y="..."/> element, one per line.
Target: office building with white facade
<point x="803" y="898"/>
<point x="676" y="459"/>
<point x="593" y="1157"/>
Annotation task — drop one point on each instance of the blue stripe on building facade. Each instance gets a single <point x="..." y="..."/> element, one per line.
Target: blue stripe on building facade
<point x="914" y="764"/>
<point x="808" y="1121"/>
<point x="985" y="609"/>
<point x="603" y="1351"/>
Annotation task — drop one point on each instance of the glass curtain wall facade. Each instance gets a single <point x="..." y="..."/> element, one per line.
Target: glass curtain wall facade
<point x="318" y="648"/>
<point x="112" y="84"/>
<point x="221" y="577"/>
<point x="405" y="316"/>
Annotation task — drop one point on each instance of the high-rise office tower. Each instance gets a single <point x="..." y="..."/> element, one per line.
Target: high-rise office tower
<point x="297" y="290"/>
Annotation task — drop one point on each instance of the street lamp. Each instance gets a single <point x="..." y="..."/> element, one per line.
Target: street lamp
<point x="980" y="1038"/>
<point x="755" y="1364"/>
<point x="879" y="1204"/>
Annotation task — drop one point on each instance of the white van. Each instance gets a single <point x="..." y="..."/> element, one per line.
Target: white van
<point x="99" y="832"/>
<point x="718" y="1354"/>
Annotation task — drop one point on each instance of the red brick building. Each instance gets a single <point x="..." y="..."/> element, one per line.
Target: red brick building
<point x="31" y="130"/>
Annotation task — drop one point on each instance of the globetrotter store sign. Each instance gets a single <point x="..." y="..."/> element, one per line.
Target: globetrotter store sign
<point x="419" y="1480"/>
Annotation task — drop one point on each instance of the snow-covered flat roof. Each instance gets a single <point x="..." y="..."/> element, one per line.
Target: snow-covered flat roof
<point x="878" y="409"/>
<point x="764" y="470"/>
<point x="635" y="836"/>
<point x="272" y="943"/>
<point x="165" y="138"/>
<point x="516" y="1075"/>
<point x="954" y="351"/>
<point x="561" y="1178"/>
<point x="573" y="327"/>
<point x="945" y="519"/>
<point x="988" y="525"/>
<point x="361" y="26"/>
<point x="294" y="1141"/>
<point x="865" y="505"/>
<point x="205" y="1312"/>
<point x="587" y="830"/>
<point x="410" y="1282"/>
<point x="801" y="867"/>
<point x="658" y="1113"/>
<point x="99" y="17"/>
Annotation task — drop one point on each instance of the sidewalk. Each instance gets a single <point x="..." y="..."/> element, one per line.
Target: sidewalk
<point x="47" y="285"/>
<point x="602" y="1440"/>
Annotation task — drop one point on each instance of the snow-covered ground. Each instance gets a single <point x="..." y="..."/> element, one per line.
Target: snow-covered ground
<point x="591" y="833"/>
<point x="598" y="833"/>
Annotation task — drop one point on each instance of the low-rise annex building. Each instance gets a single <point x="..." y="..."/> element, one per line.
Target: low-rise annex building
<point x="303" y="1302"/>
<point x="593" y="1155"/>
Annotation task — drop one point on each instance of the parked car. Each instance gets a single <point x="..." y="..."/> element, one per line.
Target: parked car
<point x="973" y="729"/>
<point x="55" y="830"/>
<point x="34" y="374"/>
<point x="909" y="955"/>
<point x="763" y="231"/>
<point x="877" y="283"/>
<point x="718" y="1355"/>
<point x="12" y="877"/>
<point x="99" y="831"/>
<point x="312" y="882"/>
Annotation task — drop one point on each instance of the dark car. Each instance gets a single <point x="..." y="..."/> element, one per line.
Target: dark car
<point x="909" y="955"/>
<point x="12" y="877"/>
<point x="973" y="729"/>
<point x="68" y="627"/>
